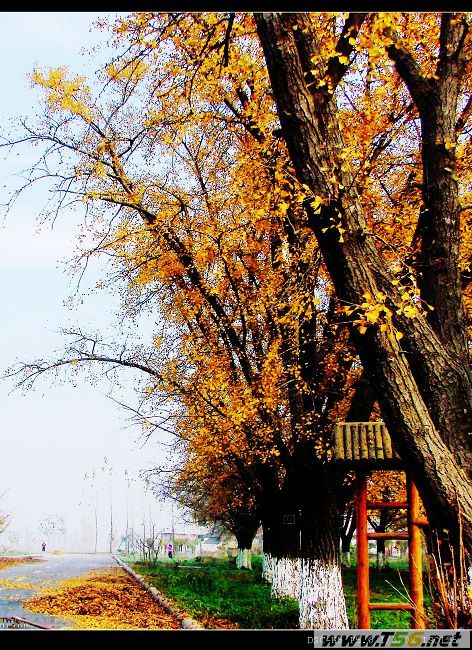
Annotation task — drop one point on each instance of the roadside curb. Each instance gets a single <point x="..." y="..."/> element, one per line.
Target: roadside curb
<point x="186" y="622"/>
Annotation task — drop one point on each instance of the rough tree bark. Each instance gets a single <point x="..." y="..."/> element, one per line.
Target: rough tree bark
<point x="301" y="537"/>
<point x="424" y="385"/>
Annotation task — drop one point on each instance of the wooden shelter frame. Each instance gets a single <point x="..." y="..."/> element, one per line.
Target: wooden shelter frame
<point x="366" y="447"/>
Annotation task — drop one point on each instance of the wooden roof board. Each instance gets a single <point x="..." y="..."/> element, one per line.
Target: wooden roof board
<point x="364" y="443"/>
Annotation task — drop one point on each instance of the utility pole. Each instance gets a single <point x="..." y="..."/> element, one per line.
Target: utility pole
<point x="173" y="531"/>
<point x="111" y="516"/>
<point x="127" y="511"/>
<point x="94" y="503"/>
<point x="111" y="503"/>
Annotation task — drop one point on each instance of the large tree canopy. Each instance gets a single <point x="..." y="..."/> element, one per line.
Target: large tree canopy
<point x="273" y="184"/>
<point x="422" y="374"/>
<point x="206" y="231"/>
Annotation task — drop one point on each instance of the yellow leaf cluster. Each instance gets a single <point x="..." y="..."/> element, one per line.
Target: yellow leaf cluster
<point x="62" y="93"/>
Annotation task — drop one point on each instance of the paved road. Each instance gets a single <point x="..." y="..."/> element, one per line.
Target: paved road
<point x="51" y="570"/>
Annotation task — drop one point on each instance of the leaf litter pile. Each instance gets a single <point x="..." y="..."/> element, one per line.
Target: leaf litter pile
<point x="7" y="562"/>
<point x="106" y="599"/>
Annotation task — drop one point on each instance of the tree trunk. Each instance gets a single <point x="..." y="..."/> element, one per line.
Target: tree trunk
<point x="322" y="602"/>
<point x="243" y="559"/>
<point x="346" y="558"/>
<point x="301" y="533"/>
<point x="267" y="567"/>
<point x="286" y="577"/>
<point x="381" y="564"/>
<point x="437" y="237"/>
<point x="426" y="395"/>
<point x="347" y="532"/>
<point x="244" y="528"/>
<point x="282" y="546"/>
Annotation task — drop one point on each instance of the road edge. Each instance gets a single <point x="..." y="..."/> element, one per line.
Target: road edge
<point x="186" y="622"/>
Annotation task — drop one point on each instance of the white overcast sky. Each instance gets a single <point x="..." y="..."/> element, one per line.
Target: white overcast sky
<point x="51" y="437"/>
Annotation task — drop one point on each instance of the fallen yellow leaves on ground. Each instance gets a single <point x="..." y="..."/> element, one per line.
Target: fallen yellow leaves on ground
<point x="16" y="583"/>
<point x="104" y="599"/>
<point x="6" y="562"/>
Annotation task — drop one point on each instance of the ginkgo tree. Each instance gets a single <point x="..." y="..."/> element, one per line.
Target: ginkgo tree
<point x="262" y="355"/>
<point x="216" y="494"/>
<point x="223" y="418"/>
<point x="222" y="199"/>
<point x="421" y="369"/>
<point x="415" y="345"/>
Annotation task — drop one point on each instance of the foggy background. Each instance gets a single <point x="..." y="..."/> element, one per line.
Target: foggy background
<point x="67" y="450"/>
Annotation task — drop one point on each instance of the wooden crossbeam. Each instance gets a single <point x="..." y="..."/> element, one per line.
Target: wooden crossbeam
<point x="376" y="505"/>
<point x="394" y="606"/>
<point x="420" y="521"/>
<point x="390" y="535"/>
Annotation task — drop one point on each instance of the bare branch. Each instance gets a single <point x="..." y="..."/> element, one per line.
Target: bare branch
<point x="409" y="70"/>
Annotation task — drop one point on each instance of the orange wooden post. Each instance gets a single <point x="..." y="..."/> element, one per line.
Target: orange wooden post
<point x="415" y="558"/>
<point x="363" y="612"/>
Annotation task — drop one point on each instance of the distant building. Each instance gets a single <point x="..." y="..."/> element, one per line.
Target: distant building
<point x="184" y="543"/>
<point x="211" y="544"/>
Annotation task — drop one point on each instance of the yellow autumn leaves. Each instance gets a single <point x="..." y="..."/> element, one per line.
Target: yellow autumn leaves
<point x="103" y="599"/>
<point x="210" y="223"/>
<point x="374" y="311"/>
<point x="6" y="562"/>
<point x="64" y="92"/>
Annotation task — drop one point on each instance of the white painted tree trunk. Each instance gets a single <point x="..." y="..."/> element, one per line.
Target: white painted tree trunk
<point x="286" y="577"/>
<point x="381" y="562"/>
<point x="322" y="602"/>
<point x="243" y="559"/>
<point x="346" y="558"/>
<point x="267" y="567"/>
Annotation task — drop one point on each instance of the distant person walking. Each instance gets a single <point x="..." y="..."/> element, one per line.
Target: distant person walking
<point x="43" y="546"/>
<point x="170" y="550"/>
